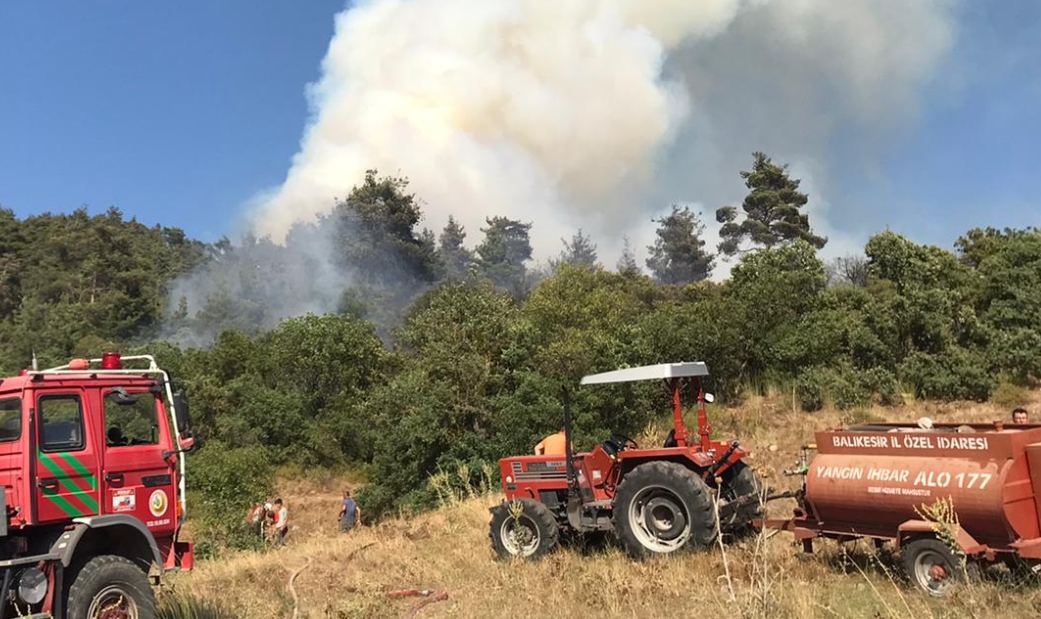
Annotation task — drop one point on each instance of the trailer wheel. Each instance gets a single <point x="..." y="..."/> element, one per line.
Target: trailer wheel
<point x="932" y="566"/>
<point x="523" y="528"/>
<point x="661" y="508"/>
<point x="742" y="483"/>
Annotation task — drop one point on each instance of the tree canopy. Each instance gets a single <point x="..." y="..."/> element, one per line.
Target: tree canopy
<point x="404" y="356"/>
<point x="772" y="211"/>
<point x="678" y="255"/>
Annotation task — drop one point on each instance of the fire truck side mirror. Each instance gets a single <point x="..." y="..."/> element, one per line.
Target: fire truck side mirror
<point x="183" y="419"/>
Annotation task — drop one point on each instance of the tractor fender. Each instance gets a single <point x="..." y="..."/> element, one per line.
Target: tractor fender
<point x="141" y="544"/>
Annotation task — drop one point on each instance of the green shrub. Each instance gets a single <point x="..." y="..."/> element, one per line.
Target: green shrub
<point x="846" y="388"/>
<point x="223" y="485"/>
<point x="882" y="385"/>
<point x="1010" y="395"/>
<point x="812" y="389"/>
<point x="956" y="375"/>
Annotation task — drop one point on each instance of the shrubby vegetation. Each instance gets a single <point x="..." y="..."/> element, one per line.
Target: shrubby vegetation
<point x="465" y="361"/>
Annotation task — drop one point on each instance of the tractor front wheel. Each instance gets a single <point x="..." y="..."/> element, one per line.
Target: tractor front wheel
<point x="661" y="508"/>
<point x="523" y="528"/>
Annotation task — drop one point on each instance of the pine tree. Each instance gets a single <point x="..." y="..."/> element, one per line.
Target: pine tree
<point x="678" y="255"/>
<point x="627" y="264"/>
<point x="456" y="258"/>
<point x="503" y="252"/>
<point x="772" y="210"/>
<point x="580" y="251"/>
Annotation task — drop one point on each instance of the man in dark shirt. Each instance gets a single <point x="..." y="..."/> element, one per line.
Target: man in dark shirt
<point x="350" y="513"/>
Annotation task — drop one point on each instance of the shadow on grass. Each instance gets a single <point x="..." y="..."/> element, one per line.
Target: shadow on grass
<point x="589" y="544"/>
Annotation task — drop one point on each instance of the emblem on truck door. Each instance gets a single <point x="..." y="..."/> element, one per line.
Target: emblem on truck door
<point x="158" y="503"/>
<point x="124" y="500"/>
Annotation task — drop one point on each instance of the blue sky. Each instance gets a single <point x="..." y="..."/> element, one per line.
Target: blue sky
<point x="178" y="113"/>
<point x="175" y="112"/>
<point x="973" y="156"/>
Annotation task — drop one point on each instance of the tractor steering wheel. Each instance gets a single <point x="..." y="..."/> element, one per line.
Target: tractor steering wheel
<point x="623" y="441"/>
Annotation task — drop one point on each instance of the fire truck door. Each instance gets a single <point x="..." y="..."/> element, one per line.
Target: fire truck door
<point x="66" y="458"/>
<point x="137" y="479"/>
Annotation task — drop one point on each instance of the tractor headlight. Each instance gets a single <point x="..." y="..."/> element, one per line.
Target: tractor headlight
<point x="32" y="586"/>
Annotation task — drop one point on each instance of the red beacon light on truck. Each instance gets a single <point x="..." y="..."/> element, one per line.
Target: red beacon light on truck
<point x="111" y="361"/>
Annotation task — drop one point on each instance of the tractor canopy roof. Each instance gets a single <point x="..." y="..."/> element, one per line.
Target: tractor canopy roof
<point x="662" y="371"/>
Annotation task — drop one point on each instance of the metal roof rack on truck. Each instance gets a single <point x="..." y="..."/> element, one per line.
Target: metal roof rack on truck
<point x="116" y="360"/>
<point x="111" y="363"/>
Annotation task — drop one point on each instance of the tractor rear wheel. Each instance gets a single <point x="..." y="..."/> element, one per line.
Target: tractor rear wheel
<point x="739" y="483"/>
<point x="523" y="528"/>
<point x="661" y="508"/>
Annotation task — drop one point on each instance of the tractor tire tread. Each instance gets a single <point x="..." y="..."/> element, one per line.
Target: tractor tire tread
<point x="744" y="482"/>
<point x="685" y="484"/>
<point x="549" y="530"/>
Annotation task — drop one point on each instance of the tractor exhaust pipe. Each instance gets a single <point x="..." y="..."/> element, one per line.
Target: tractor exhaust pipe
<point x="572" y="481"/>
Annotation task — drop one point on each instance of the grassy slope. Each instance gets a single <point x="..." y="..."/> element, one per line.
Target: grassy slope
<point x="449" y="549"/>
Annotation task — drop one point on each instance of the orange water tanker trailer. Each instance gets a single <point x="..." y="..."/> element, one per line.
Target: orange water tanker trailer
<point x="884" y="481"/>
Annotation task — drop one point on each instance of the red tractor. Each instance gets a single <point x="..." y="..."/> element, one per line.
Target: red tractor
<point x="92" y="472"/>
<point x="656" y="500"/>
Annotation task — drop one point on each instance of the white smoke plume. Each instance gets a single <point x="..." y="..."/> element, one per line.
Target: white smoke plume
<point x="598" y="113"/>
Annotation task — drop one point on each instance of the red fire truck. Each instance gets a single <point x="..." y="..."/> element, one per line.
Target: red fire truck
<point x="92" y="468"/>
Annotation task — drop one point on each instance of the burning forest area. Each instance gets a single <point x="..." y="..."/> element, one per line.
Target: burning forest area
<point x="435" y="308"/>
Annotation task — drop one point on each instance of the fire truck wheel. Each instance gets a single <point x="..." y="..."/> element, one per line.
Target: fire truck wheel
<point x="663" y="507"/>
<point x="739" y="484"/>
<point x="932" y="566"/>
<point x="523" y="528"/>
<point x="111" y="587"/>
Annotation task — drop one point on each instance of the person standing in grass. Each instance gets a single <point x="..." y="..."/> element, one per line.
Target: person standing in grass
<point x="1019" y="415"/>
<point x="281" y="522"/>
<point x="350" y="513"/>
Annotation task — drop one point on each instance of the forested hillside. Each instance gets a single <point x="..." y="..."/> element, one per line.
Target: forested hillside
<point x="370" y="342"/>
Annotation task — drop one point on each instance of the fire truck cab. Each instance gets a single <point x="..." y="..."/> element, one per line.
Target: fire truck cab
<point x="92" y="471"/>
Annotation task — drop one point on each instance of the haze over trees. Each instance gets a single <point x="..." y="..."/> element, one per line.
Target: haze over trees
<point x="678" y="255"/>
<point x="365" y="342"/>
<point x="504" y="251"/>
<point x="579" y="251"/>
<point x="453" y="254"/>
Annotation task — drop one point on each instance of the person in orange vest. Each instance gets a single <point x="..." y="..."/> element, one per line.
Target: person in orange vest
<point x="552" y="445"/>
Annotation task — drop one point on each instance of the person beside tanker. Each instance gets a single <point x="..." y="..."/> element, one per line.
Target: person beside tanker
<point x="1019" y="416"/>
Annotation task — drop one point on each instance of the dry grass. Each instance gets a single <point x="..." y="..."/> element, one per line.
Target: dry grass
<point x="449" y="549"/>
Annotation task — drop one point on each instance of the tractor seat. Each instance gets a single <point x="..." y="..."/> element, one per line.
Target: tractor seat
<point x="670" y="440"/>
